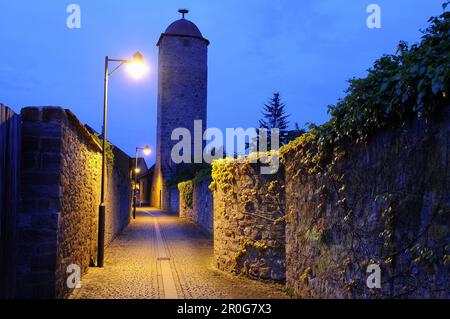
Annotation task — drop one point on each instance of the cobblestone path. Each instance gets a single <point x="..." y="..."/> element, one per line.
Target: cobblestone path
<point x="163" y="256"/>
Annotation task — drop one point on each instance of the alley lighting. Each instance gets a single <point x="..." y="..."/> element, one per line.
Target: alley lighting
<point x="137" y="68"/>
<point x="146" y="151"/>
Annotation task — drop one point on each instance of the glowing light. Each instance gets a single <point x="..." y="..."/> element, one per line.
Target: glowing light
<point x="137" y="170"/>
<point x="147" y="151"/>
<point x="137" y="67"/>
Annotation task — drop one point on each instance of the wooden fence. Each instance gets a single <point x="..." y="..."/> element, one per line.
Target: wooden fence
<point x="9" y="196"/>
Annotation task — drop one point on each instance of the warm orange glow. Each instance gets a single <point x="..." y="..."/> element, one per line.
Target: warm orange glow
<point x="137" y="170"/>
<point x="147" y="151"/>
<point x="137" y="67"/>
<point x="157" y="188"/>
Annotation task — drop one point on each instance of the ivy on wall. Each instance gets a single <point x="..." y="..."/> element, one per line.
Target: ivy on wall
<point x="189" y="172"/>
<point x="411" y="84"/>
<point x="187" y="192"/>
<point x="109" y="148"/>
<point x="414" y="82"/>
<point x="248" y="218"/>
<point x="203" y="175"/>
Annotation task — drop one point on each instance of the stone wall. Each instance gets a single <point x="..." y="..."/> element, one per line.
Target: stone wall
<point x="385" y="203"/>
<point x="200" y="207"/>
<point x="203" y="205"/>
<point x="9" y="192"/>
<point x="40" y="203"/>
<point x="60" y="182"/>
<point x="174" y="205"/>
<point x="118" y="196"/>
<point x="248" y="225"/>
<point x="80" y="181"/>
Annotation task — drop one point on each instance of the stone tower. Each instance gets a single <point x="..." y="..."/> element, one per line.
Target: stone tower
<point x="182" y="97"/>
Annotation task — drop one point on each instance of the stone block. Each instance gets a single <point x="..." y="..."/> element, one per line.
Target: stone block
<point x="28" y="205"/>
<point x="45" y="222"/>
<point x="29" y="161"/>
<point x="30" y="144"/>
<point x="51" y="145"/>
<point x="53" y="114"/>
<point x="24" y="220"/>
<point x="50" y="205"/>
<point x="30" y="114"/>
<point x="51" y="162"/>
<point x="41" y="129"/>
<point x="32" y="236"/>
<point x="40" y="178"/>
<point x="43" y="262"/>
<point x="46" y="248"/>
<point x="40" y="277"/>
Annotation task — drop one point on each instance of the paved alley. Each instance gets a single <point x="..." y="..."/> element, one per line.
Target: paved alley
<point x="162" y="256"/>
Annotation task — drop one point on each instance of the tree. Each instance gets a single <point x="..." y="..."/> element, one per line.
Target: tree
<point x="274" y="117"/>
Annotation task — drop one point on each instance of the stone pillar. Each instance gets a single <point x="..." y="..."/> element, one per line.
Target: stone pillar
<point x="40" y="203"/>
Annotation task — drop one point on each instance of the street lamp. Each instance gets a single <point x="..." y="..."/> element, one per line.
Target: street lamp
<point x="137" y="68"/>
<point x="147" y="151"/>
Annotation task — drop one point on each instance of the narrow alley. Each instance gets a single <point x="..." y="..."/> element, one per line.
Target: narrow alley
<point x="160" y="256"/>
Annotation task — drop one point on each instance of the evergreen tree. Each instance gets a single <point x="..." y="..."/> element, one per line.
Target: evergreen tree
<point x="274" y="116"/>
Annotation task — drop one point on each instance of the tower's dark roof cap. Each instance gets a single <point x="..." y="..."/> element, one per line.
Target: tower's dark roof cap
<point x="184" y="27"/>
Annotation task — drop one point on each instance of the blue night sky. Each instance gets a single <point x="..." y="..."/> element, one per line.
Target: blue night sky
<point x="306" y="50"/>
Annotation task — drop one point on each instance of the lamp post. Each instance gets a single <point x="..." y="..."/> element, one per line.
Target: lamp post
<point x="146" y="150"/>
<point x="137" y="69"/>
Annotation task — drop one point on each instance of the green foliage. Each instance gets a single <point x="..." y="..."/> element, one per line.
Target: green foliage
<point x="202" y="175"/>
<point x="293" y="134"/>
<point x="187" y="192"/>
<point x="247" y="245"/>
<point x="109" y="148"/>
<point x="188" y="172"/>
<point x="196" y="174"/>
<point x="274" y="117"/>
<point x="412" y="83"/>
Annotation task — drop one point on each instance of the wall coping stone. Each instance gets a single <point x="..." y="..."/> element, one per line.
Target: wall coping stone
<point x="58" y="115"/>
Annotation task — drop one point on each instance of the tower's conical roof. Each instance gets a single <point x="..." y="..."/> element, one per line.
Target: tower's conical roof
<point x="184" y="27"/>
